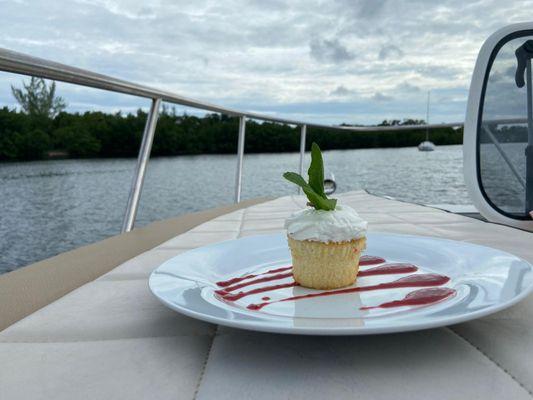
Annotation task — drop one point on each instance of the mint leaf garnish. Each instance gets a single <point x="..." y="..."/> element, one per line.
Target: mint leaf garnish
<point x="296" y="179"/>
<point x="314" y="190"/>
<point x="316" y="171"/>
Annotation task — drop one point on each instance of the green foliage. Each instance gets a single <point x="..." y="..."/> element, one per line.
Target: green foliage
<point x="39" y="100"/>
<point x="8" y="149"/>
<point x="77" y="141"/>
<point x="31" y="145"/>
<point x="96" y="134"/>
<point x="314" y="190"/>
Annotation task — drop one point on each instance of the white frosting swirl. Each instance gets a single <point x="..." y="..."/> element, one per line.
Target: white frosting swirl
<point x="340" y="225"/>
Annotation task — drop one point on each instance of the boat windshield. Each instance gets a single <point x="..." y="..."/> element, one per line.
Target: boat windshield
<point x="503" y="132"/>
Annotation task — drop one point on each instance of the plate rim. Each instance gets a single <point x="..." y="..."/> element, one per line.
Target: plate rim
<point x="260" y="326"/>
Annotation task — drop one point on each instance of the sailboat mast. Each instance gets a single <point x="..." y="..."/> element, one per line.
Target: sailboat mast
<point x="427" y="117"/>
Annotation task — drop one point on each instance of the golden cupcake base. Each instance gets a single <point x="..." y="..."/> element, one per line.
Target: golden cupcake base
<point x="319" y="265"/>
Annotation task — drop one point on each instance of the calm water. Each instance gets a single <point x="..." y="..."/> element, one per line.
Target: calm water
<point x="52" y="206"/>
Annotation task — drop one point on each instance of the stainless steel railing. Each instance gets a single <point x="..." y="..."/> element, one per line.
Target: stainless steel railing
<point x="140" y="169"/>
<point x="19" y="63"/>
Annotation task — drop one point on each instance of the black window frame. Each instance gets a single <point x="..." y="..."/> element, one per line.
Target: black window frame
<point x="493" y="54"/>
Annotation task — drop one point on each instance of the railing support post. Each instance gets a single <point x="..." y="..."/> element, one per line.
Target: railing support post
<point x="303" y="134"/>
<point x="140" y="169"/>
<point x="240" y="156"/>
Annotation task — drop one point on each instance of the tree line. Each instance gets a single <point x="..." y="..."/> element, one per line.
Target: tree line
<point x="42" y="128"/>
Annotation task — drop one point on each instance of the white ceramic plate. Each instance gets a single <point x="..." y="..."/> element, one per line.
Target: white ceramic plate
<point x="481" y="281"/>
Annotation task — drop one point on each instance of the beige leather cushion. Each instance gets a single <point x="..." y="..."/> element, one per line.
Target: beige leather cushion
<point x="110" y="338"/>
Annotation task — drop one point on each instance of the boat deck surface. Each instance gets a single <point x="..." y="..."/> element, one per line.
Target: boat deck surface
<point x="111" y="339"/>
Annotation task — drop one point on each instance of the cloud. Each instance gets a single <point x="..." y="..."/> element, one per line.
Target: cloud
<point x="370" y="8"/>
<point x="362" y="9"/>
<point x="329" y="50"/>
<point x="380" y="97"/>
<point x="408" y="88"/>
<point x="390" y="51"/>
<point x="342" y="91"/>
<point x="356" y="61"/>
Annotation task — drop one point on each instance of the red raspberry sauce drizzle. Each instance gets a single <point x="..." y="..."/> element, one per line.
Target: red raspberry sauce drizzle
<point x="371" y="260"/>
<point x="233" y="281"/>
<point x="419" y="280"/>
<point x="386" y="269"/>
<point x="240" y="295"/>
<point x="254" y="282"/>
<point x="418" y="298"/>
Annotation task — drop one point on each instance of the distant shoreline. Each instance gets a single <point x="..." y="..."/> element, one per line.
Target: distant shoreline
<point x="199" y="155"/>
<point x="101" y="135"/>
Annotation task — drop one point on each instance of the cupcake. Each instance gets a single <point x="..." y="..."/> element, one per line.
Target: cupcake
<point x="325" y="239"/>
<point x="326" y="246"/>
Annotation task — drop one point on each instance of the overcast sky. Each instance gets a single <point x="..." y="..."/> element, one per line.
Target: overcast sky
<point x="326" y="61"/>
